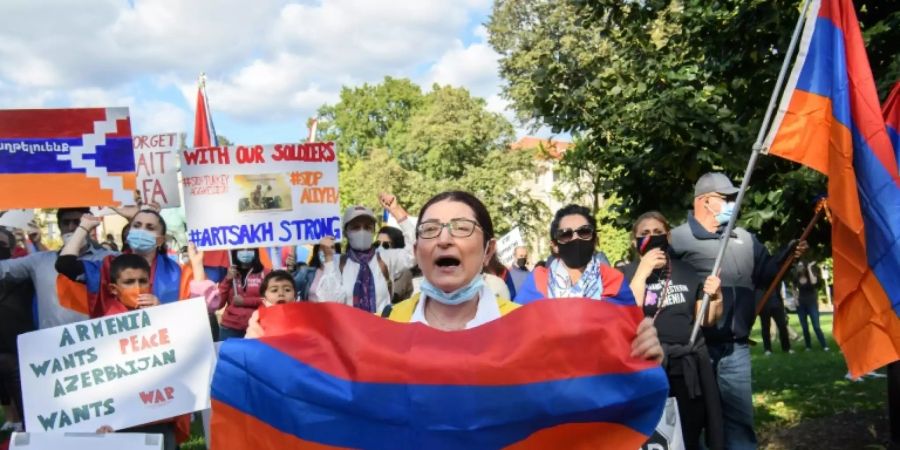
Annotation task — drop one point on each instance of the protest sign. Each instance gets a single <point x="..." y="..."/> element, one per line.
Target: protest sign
<point x="54" y="158"/>
<point x="157" y="173"/>
<point x="20" y="219"/>
<point x="261" y="196"/>
<point x="123" y="370"/>
<point x="86" y="441"/>
<point x="506" y="246"/>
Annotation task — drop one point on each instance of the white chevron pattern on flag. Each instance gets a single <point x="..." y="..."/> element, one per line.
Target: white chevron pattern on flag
<point x="90" y="142"/>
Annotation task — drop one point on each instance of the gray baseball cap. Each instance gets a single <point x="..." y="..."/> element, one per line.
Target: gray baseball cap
<point x="357" y="211"/>
<point x="714" y="182"/>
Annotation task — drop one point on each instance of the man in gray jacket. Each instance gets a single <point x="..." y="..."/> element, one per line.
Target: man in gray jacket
<point x="39" y="268"/>
<point x="747" y="264"/>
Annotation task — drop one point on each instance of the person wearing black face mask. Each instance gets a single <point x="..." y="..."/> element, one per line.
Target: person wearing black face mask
<point x="518" y="271"/>
<point x="667" y="289"/>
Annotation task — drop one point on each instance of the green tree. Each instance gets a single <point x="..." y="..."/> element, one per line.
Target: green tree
<point x="452" y="132"/>
<point x="370" y="116"/>
<point x="419" y="144"/>
<point x="658" y="92"/>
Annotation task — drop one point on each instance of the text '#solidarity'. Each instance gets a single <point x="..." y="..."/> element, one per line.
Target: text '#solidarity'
<point x="285" y="231"/>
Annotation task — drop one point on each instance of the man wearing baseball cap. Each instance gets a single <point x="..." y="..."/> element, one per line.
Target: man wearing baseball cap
<point x="747" y="264"/>
<point x="362" y="277"/>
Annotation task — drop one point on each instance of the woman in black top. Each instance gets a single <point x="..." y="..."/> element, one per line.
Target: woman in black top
<point x="668" y="289"/>
<point x="808" y="302"/>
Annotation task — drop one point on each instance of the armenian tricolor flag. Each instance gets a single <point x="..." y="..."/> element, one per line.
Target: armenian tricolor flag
<point x="54" y="158"/>
<point x="892" y="117"/>
<point x="552" y="374"/>
<point x="830" y="120"/>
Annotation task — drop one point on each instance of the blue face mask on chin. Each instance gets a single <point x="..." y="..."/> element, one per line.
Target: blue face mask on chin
<point x="456" y="297"/>
<point x="459" y="296"/>
<point x="725" y="215"/>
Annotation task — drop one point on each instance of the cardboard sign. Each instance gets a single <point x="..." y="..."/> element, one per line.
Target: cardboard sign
<point x="261" y="196"/>
<point x="506" y="246"/>
<point x="155" y="159"/>
<point x="54" y="158"/>
<point x="86" y="441"/>
<point x="122" y="370"/>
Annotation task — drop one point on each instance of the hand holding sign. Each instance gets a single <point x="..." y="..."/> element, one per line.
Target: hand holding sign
<point x="147" y="300"/>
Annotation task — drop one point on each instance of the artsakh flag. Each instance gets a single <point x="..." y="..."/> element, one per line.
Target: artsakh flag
<point x="829" y="120"/>
<point x="892" y="117"/>
<point x="552" y="374"/>
<point x="54" y="158"/>
<point x="215" y="261"/>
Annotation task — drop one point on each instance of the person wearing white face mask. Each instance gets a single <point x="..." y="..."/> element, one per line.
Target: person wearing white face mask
<point x="39" y="269"/>
<point x="363" y="276"/>
<point x="747" y="265"/>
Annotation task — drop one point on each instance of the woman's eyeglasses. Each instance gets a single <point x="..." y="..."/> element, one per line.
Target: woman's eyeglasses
<point x="584" y="232"/>
<point x="460" y="228"/>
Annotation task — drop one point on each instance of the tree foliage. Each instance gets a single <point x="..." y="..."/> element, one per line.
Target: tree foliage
<point x="393" y="137"/>
<point x="658" y="92"/>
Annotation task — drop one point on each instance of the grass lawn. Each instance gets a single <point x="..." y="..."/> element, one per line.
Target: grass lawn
<point x="792" y="388"/>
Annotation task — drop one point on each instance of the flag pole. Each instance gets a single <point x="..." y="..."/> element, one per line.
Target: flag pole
<point x="789" y="261"/>
<point x="754" y="155"/>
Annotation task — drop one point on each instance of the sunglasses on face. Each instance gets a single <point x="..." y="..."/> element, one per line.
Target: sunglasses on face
<point x="584" y="232"/>
<point x="69" y="222"/>
<point x="383" y="244"/>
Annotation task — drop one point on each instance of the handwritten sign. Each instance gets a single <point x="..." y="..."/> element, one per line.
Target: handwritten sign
<point x="261" y="195"/>
<point x="506" y="246"/>
<point x="123" y="370"/>
<point x="157" y="174"/>
<point x="54" y="158"/>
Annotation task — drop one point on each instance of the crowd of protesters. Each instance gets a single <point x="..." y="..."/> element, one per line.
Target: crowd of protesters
<point x="441" y="270"/>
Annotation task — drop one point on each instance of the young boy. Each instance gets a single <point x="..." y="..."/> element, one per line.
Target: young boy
<point x="277" y="288"/>
<point x="129" y="281"/>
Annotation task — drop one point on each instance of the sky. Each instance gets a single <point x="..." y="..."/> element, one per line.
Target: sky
<point x="270" y="64"/>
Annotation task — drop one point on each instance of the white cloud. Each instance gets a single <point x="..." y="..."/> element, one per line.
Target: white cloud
<point x="474" y="67"/>
<point x="266" y="60"/>
<point x="159" y="117"/>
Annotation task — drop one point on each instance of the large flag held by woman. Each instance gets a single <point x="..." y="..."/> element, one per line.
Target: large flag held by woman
<point x="552" y="374"/>
<point x="830" y="120"/>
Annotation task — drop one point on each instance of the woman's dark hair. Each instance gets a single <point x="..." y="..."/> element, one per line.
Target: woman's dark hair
<point x="482" y="216"/>
<point x="10" y="236"/>
<point x="396" y="235"/>
<point x="572" y="210"/>
<point x="255" y="265"/>
<point x="275" y="275"/>
<point x="494" y="266"/>
<point x="163" y="249"/>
